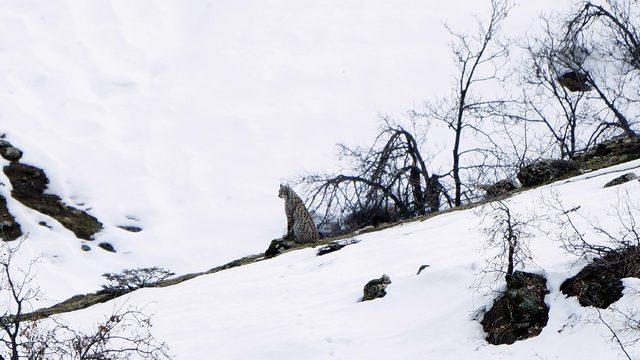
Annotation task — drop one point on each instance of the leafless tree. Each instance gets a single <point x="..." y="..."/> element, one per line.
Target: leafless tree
<point x="567" y="116"/>
<point x="479" y="60"/>
<point x="601" y="49"/>
<point x="124" y="334"/>
<point x="570" y="225"/>
<point x="391" y="176"/>
<point x="507" y="234"/>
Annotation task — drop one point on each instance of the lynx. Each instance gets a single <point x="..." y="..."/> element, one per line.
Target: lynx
<point x="300" y="226"/>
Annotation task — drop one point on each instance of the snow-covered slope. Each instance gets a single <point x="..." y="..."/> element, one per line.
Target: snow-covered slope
<point x="186" y="115"/>
<point x="303" y="306"/>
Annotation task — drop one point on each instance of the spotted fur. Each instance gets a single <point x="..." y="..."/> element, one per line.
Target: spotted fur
<point x="300" y="226"/>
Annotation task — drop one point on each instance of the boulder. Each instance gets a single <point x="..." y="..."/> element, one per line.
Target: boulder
<point x="278" y="246"/>
<point x="520" y="312"/>
<point x="499" y="188"/>
<point x="599" y="284"/>
<point x="621" y="180"/>
<point x="85" y="247"/>
<point x="375" y="288"/>
<point x="106" y="246"/>
<point x="10" y="153"/>
<point x="544" y="171"/>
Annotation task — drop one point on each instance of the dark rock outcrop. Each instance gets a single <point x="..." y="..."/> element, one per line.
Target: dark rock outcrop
<point x="278" y="246"/>
<point x="29" y="184"/>
<point x="335" y="246"/>
<point x="85" y="247"/>
<point x="499" y="188"/>
<point x="611" y="152"/>
<point x="621" y="180"/>
<point x="544" y="171"/>
<point x="9" y="152"/>
<point x="128" y="228"/>
<point x="376" y="288"/>
<point x="107" y="246"/>
<point x="9" y="228"/>
<point x="520" y="312"/>
<point x="599" y="284"/>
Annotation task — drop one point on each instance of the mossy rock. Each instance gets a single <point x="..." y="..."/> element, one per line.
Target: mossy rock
<point x="599" y="284"/>
<point x="520" y="312"/>
<point x="499" y="188"/>
<point x="621" y="180"/>
<point x="545" y="171"/>
<point x="376" y="288"/>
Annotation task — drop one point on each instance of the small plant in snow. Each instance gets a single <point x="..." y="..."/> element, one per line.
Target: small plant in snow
<point x="130" y="279"/>
<point x="507" y="234"/>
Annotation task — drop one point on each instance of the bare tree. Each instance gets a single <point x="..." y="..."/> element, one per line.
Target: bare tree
<point x="479" y="60"/>
<point x="568" y="116"/>
<point x="507" y="234"/>
<point x="601" y="50"/>
<point x="123" y="334"/>
<point x="390" y="177"/>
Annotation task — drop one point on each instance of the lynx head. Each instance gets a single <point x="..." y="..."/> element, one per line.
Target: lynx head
<point x="284" y="191"/>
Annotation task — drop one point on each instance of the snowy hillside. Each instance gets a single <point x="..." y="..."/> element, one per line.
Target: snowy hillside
<point x="183" y="117"/>
<point x="300" y="305"/>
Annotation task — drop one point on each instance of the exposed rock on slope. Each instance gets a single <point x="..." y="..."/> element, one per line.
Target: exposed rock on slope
<point x="621" y="180"/>
<point x="544" y="171"/>
<point x="611" y="152"/>
<point x="599" y="284"/>
<point x="29" y="184"/>
<point x="9" y="228"/>
<point x="376" y="288"/>
<point x="520" y="313"/>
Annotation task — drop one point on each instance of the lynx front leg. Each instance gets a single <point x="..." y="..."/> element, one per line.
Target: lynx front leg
<point x="289" y="224"/>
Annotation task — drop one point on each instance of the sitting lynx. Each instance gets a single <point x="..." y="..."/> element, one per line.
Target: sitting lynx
<point x="299" y="222"/>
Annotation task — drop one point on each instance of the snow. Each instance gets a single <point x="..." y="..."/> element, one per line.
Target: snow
<point x="300" y="305"/>
<point x="183" y="117"/>
<point x="187" y="115"/>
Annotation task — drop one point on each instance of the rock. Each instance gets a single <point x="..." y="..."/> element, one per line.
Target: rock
<point x="545" y="171"/>
<point x="107" y="246"/>
<point x="10" y="153"/>
<point x="575" y="81"/>
<point x="335" y="246"/>
<point x="376" y="288"/>
<point x="43" y="223"/>
<point x="85" y="247"/>
<point x="4" y="143"/>
<point x="599" y="284"/>
<point x="278" y="246"/>
<point x="499" y="188"/>
<point x="520" y="312"/>
<point x="29" y="184"/>
<point x="611" y="152"/>
<point x="422" y="267"/>
<point x="134" y="229"/>
<point x="621" y="180"/>
<point x="9" y="229"/>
